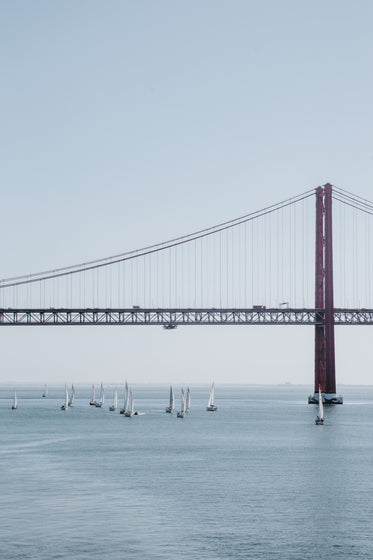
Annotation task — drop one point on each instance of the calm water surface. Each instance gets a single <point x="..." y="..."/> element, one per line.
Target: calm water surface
<point x="257" y="479"/>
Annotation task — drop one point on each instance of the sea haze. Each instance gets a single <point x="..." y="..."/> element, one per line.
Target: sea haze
<point x="257" y="479"/>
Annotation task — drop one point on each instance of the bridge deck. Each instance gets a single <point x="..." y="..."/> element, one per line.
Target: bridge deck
<point x="171" y="318"/>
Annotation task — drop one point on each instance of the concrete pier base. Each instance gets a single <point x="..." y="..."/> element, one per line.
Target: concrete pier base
<point x="327" y="398"/>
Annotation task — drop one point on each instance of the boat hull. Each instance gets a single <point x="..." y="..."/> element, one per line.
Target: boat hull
<point x="212" y="408"/>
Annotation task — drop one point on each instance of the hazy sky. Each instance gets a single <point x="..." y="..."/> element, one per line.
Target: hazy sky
<point x="128" y="123"/>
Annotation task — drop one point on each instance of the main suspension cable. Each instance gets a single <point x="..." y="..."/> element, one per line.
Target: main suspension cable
<point x="91" y="265"/>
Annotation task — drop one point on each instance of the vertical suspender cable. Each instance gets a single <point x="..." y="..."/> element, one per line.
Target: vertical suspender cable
<point x="118" y="285"/>
<point x="226" y="266"/>
<point x="264" y="249"/>
<point x="270" y="259"/>
<point x="257" y="260"/>
<point x="220" y="269"/>
<point x="295" y="253"/>
<point x="182" y="280"/>
<point x="343" y="252"/>
<point x="206" y="255"/>
<point x="196" y="277"/>
<point x="232" y="266"/>
<point x="281" y="254"/>
<point x="368" y="260"/>
<point x="98" y="288"/>
<point x="278" y="256"/>
<point x="252" y="263"/>
<point x="354" y="256"/>
<point x="239" y="279"/>
<point x="201" y="269"/>
<point x="176" y="277"/>
<point x="245" y="264"/>
<point x="290" y="257"/>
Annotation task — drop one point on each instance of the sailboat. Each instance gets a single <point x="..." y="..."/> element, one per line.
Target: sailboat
<point x="125" y="403"/>
<point x="320" y="417"/>
<point x="65" y="406"/>
<point x="181" y="412"/>
<point x="15" y="402"/>
<point x="187" y="401"/>
<point x="45" y="392"/>
<point x="211" y="406"/>
<point x="92" y="401"/>
<point x="114" y="406"/>
<point x="102" y="397"/>
<point x="171" y="406"/>
<point x="72" y="396"/>
<point x="130" y="411"/>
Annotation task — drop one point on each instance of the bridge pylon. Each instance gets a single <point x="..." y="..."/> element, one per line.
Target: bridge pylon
<point x="324" y="301"/>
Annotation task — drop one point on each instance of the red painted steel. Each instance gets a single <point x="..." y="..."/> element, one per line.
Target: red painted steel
<point x="324" y="298"/>
<point x="330" y="385"/>
<point x="319" y="292"/>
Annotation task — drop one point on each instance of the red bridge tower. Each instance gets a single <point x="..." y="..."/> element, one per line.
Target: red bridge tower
<point x="324" y="301"/>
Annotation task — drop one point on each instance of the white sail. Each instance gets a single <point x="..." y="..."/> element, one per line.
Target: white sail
<point x="172" y="398"/>
<point x="15" y="401"/>
<point x="102" y="398"/>
<point x="72" y="396"/>
<point x="211" y="404"/>
<point x="212" y="396"/>
<point x="187" y="400"/>
<point x="45" y="392"/>
<point x="126" y="394"/>
<point x="65" y="406"/>
<point x="182" y="410"/>
<point x="171" y="406"/>
<point x="93" y="395"/>
<point x="114" y="406"/>
<point x="130" y="405"/>
<point x="321" y="406"/>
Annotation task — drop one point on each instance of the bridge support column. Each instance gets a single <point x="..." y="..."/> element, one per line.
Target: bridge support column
<point x="324" y="300"/>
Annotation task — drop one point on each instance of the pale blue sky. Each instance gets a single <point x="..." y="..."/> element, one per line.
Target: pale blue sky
<point x="127" y="123"/>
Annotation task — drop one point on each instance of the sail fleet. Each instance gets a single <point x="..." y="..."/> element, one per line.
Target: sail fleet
<point x="128" y="409"/>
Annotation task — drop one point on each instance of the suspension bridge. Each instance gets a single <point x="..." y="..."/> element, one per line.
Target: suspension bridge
<point x="304" y="261"/>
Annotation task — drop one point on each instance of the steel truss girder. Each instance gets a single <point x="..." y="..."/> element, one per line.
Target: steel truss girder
<point x="171" y="318"/>
<point x="353" y="316"/>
